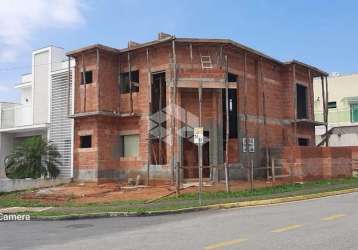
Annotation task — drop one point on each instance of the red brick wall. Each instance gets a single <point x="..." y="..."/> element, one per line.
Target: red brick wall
<point x="305" y="163"/>
<point x="86" y="159"/>
<point x="86" y="95"/>
<point x="276" y="84"/>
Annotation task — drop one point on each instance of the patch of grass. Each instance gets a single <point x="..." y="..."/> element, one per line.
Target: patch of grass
<point x="15" y="200"/>
<point x="272" y="192"/>
<point x="184" y="200"/>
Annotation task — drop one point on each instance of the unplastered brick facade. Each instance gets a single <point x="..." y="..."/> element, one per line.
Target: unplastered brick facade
<point x="266" y="100"/>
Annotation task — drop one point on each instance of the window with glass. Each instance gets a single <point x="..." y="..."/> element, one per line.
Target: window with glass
<point x="129" y="145"/>
<point x="354" y="112"/>
<point x="332" y="105"/>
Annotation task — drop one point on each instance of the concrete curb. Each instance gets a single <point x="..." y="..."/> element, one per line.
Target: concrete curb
<point x="194" y="209"/>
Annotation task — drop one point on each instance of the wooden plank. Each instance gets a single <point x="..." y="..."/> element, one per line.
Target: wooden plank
<point x="326" y="122"/>
<point x="130" y="82"/>
<point x="227" y="126"/>
<point x="173" y="107"/>
<point x="324" y="106"/>
<point x="295" y="103"/>
<point x="119" y="84"/>
<point x="200" y="148"/>
<point x="97" y="82"/>
<point x="84" y="82"/>
<point x="191" y="54"/>
<point x="245" y="111"/>
<point x="149" y="160"/>
<point x="267" y="152"/>
<point x="69" y="85"/>
<point x="206" y="85"/>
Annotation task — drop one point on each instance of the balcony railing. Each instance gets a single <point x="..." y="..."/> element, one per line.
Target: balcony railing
<point x="16" y="116"/>
<point x="339" y="116"/>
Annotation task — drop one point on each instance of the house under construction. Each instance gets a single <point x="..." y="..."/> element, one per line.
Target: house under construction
<point x="135" y="109"/>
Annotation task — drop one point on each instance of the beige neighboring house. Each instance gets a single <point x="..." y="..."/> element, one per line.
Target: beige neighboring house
<point x="342" y="110"/>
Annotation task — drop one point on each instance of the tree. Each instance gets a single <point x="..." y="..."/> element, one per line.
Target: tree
<point x="33" y="158"/>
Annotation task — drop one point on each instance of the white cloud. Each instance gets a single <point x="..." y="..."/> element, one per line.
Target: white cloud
<point x="20" y="20"/>
<point x="4" y="89"/>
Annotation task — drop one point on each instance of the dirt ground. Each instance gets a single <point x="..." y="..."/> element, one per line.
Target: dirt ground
<point x="84" y="193"/>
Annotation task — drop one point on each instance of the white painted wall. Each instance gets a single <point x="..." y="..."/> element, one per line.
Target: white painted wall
<point x="341" y="89"/>
<point x="57" y="57"/>
<point x="26" y="95"/>
<point x="41" y="69"/>
<point x="26" y="78"/>
<point x="343" y="140"/>
<point x="35" y="103"/>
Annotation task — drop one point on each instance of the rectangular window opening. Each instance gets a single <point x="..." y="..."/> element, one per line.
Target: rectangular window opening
<point x="125" y="82"/>
<point x="86" y="141"/>
<point x="332" y="105"/>
<point x="158" y="92"/>
<point x="301" y="101"/>
<point x="158" y="124"/>
<point x="303" y="142"/>
<point x="87" y="77"/>
<point x="354" y="112"/>
<point x="129" y="145"/>
<point x="231" y="77"/>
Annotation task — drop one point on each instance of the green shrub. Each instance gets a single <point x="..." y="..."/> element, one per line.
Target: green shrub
<point x="33" y="158"/>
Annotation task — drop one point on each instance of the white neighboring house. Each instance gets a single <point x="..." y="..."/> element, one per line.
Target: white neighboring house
<point x="342" y="110"/>
<point x="46" y="102"/>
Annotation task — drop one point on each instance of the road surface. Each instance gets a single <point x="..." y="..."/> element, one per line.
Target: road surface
<point x="327" y="223"/>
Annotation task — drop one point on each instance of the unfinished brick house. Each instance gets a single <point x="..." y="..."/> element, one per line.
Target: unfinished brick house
<point x="118" y="91"/>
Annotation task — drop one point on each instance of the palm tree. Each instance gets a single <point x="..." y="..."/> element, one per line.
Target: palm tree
<point x="33" y="158"/>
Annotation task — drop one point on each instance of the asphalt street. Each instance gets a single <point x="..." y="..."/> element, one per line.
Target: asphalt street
<point x="327" y="223"/>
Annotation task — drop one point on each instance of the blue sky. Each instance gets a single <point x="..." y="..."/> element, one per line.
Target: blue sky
<point x="322" y="33"/>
